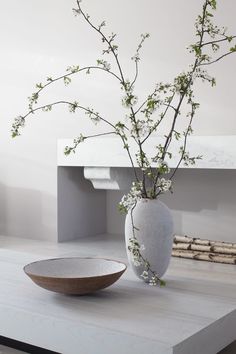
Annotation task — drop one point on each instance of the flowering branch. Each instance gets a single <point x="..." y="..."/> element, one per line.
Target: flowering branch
<point x="136" y="56"/>
<point x="72" y="106"/>
<point x="80" y="139"/>
<point x="134" y="247"/>
<point x="167" y="98"/>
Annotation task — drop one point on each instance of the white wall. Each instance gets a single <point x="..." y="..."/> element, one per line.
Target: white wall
<point x="40" y="39"/>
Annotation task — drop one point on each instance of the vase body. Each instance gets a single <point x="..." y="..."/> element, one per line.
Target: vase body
<point x="154" y="232"/>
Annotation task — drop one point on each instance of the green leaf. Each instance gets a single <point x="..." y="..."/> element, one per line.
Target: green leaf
<point x="39" y="86"/>
<point x="233" y="49"/>
<point x="162" y="282"/>
<point x="67" y="80"/>
<point x="213" y="4"/>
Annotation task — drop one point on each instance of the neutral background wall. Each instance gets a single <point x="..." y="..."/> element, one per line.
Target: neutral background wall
<point x="40" y="39"/>
<point x="200" y="205"/>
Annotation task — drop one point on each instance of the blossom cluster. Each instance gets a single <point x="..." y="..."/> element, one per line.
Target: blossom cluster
<point x="164" y="184"/>
<point x="19" y="122"/>
<point x="148" y="275"/>
<point x="129" y="99"/>
<point x="141" y="129"/>
<point x="134" y="249"/>
<point x="129" y="200"/>
<point x="76" y="142"/>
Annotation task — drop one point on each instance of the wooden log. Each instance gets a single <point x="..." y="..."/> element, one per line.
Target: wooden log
<point x="203" y="248"/>
<point x="184" y="239"/>
<point x="204" y="242"/>
<point x="223" y="250"/>
<point x="191" y="246"/>
<point x="204" y="256"/>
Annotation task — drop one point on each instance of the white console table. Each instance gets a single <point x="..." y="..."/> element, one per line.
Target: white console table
<point x="103" y="163"/>
<point x="195" y="313"/>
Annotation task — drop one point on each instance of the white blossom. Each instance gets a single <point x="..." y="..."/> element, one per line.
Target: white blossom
<point x="76" y="142"/>
<point x="162" y="164"/>
<point x="136" y="262"/>
<point x="134" y="249"/>
<point x="153" y="281"/>
<point x="20" y="121"/>
<point x="141" y="128"/>
<point x="129" y="100"/>
<point x="79" y="139"/>
<point x="130" y="199"/>
<point x="144" y="275"/>
<point x="164" y="184"/>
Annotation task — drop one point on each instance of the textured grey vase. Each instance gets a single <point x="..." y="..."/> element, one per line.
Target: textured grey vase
<point x="154" y="222"/>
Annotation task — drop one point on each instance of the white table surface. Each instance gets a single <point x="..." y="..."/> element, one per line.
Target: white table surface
<point x="195" y="313"/>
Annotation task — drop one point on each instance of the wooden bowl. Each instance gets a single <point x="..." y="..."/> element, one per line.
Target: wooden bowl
<point x="75" y="276"/>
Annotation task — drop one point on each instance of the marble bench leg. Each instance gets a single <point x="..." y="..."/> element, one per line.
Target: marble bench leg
<point x="81" y="208"/>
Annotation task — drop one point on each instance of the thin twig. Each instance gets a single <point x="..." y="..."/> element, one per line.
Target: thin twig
<point x="76" y="72"/>
<point x="104" y="39"/>
<point x="160" y="120"/>
<point x="219" y="58"/>
<point x="217" y="41"/>
<point x="101" y="134"/>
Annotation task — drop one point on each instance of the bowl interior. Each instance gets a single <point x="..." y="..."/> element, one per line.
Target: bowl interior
<point x="74" y="267"/>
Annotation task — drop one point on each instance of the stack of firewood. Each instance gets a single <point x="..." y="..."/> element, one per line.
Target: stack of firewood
<point x="204" y="250"/>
